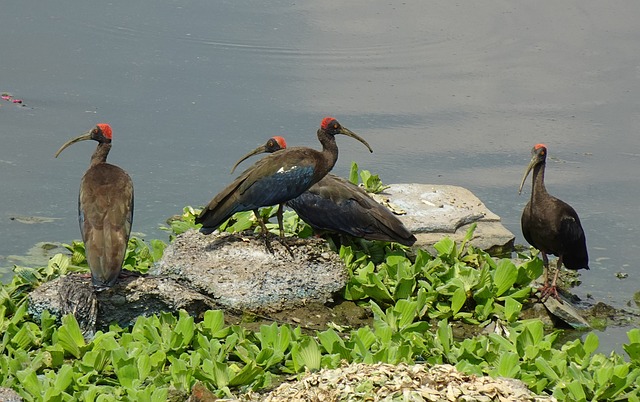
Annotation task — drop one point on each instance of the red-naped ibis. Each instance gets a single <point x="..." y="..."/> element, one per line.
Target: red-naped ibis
<point x="337" y="205"/>
<point x="551" y="225"/>
<point x="276" y="178"/>
<point x="105" y="209"/>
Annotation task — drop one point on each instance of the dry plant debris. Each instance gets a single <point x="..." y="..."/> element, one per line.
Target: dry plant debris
<point x="401" y="382"/>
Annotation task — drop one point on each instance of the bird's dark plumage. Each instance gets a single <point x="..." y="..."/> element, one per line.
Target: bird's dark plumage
<point x="105" y="210"/>
<point x="335" y="204"/>
<point x="276" y="178"/>
<point x="551" y="225"/>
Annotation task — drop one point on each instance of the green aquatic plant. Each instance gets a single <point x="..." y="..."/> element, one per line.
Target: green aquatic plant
<point x="414" y="298"/>
<point x="460" y="282"/>
<point x="370" y="182"/>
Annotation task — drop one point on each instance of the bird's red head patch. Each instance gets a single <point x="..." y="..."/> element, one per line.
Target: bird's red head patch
<point x="106" y="129"/>
<point x="538" y="146"/>
<point x="325" y="122"/>
<point x="280" y="141"/>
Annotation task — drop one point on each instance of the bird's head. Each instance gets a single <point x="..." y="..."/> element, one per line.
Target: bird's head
<point x="101" y="133"/>
<point x="330" y="126"/>
<point x="538" y="156"/>
<point x="274" y="144"/>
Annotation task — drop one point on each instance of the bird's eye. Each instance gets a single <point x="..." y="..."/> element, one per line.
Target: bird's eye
<point x="335" y="125"/>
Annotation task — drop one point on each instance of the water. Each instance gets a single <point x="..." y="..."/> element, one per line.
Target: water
<point x="444" y="93"/>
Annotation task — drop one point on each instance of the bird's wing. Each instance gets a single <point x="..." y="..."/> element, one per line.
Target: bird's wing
<point x="338" y="205"/>
<point x="105" y="207"/>
<point x="272" y="180"/>
<point x="574" y="243"/>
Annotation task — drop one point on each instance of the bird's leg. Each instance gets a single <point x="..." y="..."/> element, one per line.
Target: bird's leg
<point x="265" y="232"/>
<point x="281" y="226"/>
<point x="550" y="290"/>
<point x="545" y="264"/>
<point x="553" y="290"/>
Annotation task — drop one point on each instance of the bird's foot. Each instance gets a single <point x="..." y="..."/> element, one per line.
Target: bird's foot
<point x="267" y="243"/>
<point x="129" y="274"/>
<point x="282" y="240"/>
<point x="548" y="291"/>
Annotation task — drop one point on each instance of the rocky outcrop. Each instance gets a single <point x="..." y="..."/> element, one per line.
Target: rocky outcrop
<point x="432" y="212"/>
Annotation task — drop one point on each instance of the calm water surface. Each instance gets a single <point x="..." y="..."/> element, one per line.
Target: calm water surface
<point x="445" y="93"/>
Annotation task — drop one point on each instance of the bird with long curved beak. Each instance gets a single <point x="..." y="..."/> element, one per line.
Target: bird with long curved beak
<point x="276" y="178"/>
<point x="105" y="209"/>
<point x="336" y="205"/>
<point x="551" y="225"/>
<point x="275" y="143"/>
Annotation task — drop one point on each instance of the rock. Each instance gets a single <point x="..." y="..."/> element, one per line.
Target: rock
<point x="240" y="274"/>
<point x="233" y="272"/>
<point x="565" y="311"/>
<point x="9" y="395"/>
<point x="436" y="211"/>
<point x="123" y="303"/>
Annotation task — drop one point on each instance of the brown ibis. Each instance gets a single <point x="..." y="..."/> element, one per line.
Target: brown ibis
<point x="551" y="225"/>
<point x="105" y="209"/>
<point x="337" y="205"/>
<point x="276" y="178"/>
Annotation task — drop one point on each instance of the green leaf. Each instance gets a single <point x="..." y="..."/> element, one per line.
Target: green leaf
<point x="213" y="322"/>
<point x="444" y="336"/>
<point x="308" y="354"/>
<point x="576" y="391"/>
<point x="546" y="369"/>
<point x="591" y="343"/>
<point x="29" y="381"/>
<point x="353" y="173"/>
<point x="445" y="247"/>
<point x="245" y="376"/>
<point x="407" y="312"/>
<point x="508" y="365"/>
<point x="64" y="378"/>
<point x="505" y="276"/>
<point x="332" y="342"/>
<point x="512" y="309"/>
<point x="70" y="337"/>
<point x="458" y="299"/>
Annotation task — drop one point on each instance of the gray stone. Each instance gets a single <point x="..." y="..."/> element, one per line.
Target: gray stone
<point x="241" y="274"/>
<point x="564" y="310"/>
<point x="9" y="395"/>
<point x="123" y="303"/>
<point x="436" y="211"/>
<point x="197" y="273"/>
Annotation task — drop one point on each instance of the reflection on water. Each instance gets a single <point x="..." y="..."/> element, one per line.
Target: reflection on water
<point x="444" y="93"/>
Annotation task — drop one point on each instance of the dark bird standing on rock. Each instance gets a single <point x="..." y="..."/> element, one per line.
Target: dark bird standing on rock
<point x="105" y="209"/>
<point x="337" y="205"/>
<point x="551" y="225"/>
<point x="276" y="178"/>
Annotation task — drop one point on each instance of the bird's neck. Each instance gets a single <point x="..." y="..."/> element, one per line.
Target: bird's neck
<point x="538" y="188"/>
<point x="329" y="152"/>
<point x="100" y="155"/>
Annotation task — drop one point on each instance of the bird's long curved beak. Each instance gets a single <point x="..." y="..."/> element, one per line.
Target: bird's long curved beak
<point x="532" y="163"/>
<point x="351" y="134"/>
<point x="261" y="149"/>
<point x="83" y="137"/>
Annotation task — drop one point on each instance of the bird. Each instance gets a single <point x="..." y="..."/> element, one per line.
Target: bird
<point x="551" y="225"/>
<point x="275" y="179"/>
<point x="105" y="209"/>
<point x="335" y="204"/>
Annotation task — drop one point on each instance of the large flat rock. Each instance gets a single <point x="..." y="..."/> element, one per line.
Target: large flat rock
<point x="435" y="211"/>
<point x="239" y="272"/>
